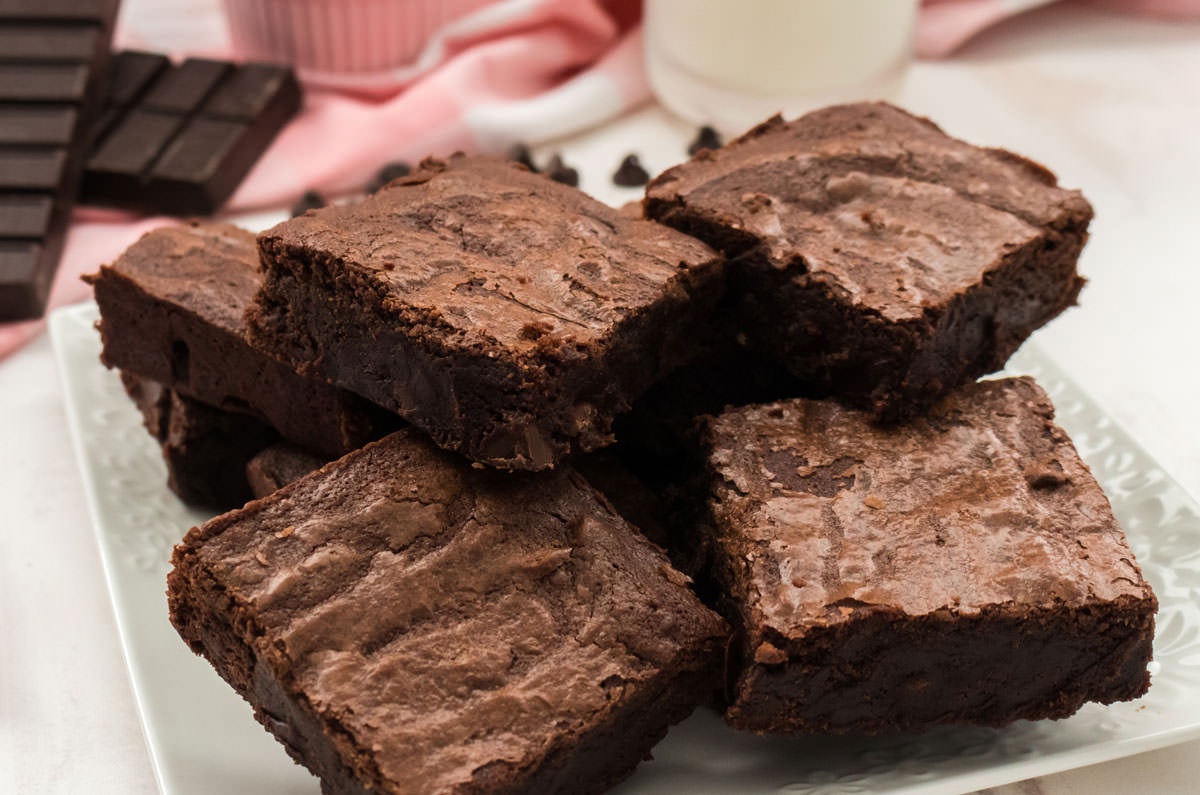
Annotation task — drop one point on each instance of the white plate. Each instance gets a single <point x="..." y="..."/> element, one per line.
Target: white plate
<point x="203" y="739"/>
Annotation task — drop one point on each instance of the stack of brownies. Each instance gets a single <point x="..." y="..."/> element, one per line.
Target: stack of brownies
<point x="784" y="353"/>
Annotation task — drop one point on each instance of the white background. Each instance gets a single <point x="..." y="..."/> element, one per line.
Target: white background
<point x="1111" y="103"/>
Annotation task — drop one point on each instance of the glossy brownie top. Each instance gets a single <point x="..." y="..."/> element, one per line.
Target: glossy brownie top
<point x="449" y="619"/>
<point x="880" y="204"/>
<point x="209" y="269"/>
<point x="497" y="257"/>
<point x="982" y="503"/>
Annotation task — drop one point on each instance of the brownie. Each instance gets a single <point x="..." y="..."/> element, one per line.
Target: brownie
<point x="963" y="568"/>
<point x="274" y="467"/>
<point x="206" y="450"/>
<point x="876" y="257"/>
<point x="171" y="311"/>
<point x="404" y="622"/>
<point x="509" y="316"/>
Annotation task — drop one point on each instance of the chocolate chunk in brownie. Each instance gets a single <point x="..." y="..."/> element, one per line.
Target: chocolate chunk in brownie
<point x="877" y="257"/>
<point x="206" y="450"/>
<point x="278" y="465"/>
<point x="508" y="316"/>
<point x="171" y="311"/>
<point x="404" y="622"/>
<point x="900" y="577"/>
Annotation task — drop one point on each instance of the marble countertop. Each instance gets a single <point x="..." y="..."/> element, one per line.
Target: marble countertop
<point x="1111" y="103"/>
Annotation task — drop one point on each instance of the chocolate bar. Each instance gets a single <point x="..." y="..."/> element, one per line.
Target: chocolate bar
<point x="179" y="139"/>
<point x="53" y="58"/>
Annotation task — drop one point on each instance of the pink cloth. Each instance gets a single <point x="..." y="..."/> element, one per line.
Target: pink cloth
<point x="527" y="70"/>
<point x="945" y="25"/>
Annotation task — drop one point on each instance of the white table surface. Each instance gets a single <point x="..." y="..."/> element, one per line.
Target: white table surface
<point x="1112" y="103"/>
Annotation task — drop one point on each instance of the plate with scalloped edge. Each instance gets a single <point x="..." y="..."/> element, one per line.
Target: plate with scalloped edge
<point x="203" y="738"/>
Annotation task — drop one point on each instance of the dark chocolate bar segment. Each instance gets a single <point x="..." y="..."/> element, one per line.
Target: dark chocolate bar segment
<point x="58" y="11"/>
<point x="25" y="216"/>
<point x="37" y="125"/>
<point x="181" y="90"/>
<point x="22" y="281"/>
<point x="132" y="73"/>
<point x="53" y="60"/>
<point x="22" y="45"/>
<point x="43" y="82"/>
<point x="179" y="139"/>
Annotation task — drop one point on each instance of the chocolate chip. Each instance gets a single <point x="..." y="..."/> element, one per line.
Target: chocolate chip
<point x="559" y="171"/>
<point x="519" y="153"/>
<point x="630" y="174"/>
<point x="769" y="654"/>
<point x="311" y="200"/>
<point x="706" y="138"/>
<point x="388" y="173"/>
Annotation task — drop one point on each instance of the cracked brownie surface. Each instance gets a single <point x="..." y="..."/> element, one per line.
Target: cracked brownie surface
<point x="403" y="622"/>
<point x="874" y="255"/>
<point x="965" y="567"/>
<point x="507" y="315"/>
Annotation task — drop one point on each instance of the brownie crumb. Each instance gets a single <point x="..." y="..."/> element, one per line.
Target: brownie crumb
<point x="559" y="171"/>
<point x="630" y="174"/>
<point x="311" y="200"/>
<point x="519" y="153"/>
<point x="706" y="138"/>
<point x="388" y="173"/>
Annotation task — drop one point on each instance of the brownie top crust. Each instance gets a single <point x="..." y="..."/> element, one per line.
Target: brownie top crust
<point x="449" y="619"/>
<point x="984" y="503"/>
<point x="501" y="258"/>
<point x="880" y="204"/>
<point x="212" y="269"/>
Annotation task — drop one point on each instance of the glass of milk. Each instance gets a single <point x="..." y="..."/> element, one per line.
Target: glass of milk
<point x="732" y="63"/>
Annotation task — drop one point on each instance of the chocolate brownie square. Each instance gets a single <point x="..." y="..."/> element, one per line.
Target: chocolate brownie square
<point x="171" y="311"/>
<point x="877" y="257"/>
<point x="404" y="622"/>
<point x="206" y="450"/>
<point x="963" y="568"/>
<point x="509" y="316"/>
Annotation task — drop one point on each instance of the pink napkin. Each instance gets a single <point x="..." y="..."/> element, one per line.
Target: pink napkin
<point x="945" y="25"/>
<point x="518" y="70"/>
